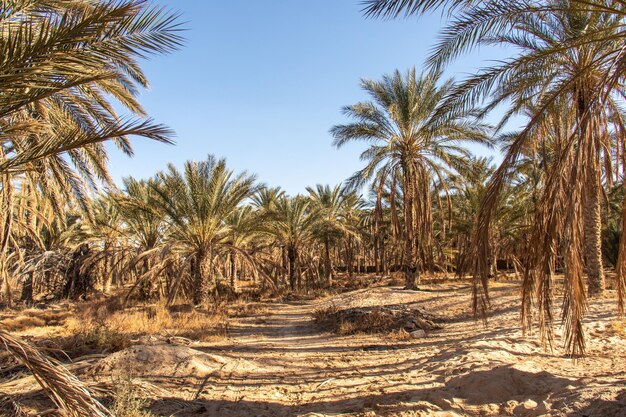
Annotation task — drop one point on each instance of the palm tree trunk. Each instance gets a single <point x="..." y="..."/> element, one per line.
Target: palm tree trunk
<point x="376" y="254"/>
<point x="145" y="285"/>
<point x="328" y="273"/>
<point x="291" y="255"/>
<point x="593" y="238"/>
<point x="409" y="266"/>
<point x="7" y="222"/>
<point x="591" y="210"/>
<point x="349" y="258"/>
<point x="384" y="260"/>
<point x="108" y="274"/>
<point x="364" y="263"/>
<point x="27" y="290"/>
<point x="201" y="278"/>
<point x="285" y="269"/>
<point x="233" y="270"/>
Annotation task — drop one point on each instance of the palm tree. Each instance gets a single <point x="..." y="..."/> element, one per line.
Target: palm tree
<point x="466" y="190"/>
<point x="197" y="203"/>
<point x="245" y="226"/>
<point x="414" y="139"/>
<point x="266" y="198"/>
<point x="62" y="64"/>
<point x="332" y="206"/>
<point x="293" y="224"/>
<point x="98" y="237"/>
<point x="145" y="228"/>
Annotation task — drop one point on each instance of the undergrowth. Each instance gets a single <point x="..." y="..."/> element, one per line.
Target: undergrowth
<point x="129" y="400"/>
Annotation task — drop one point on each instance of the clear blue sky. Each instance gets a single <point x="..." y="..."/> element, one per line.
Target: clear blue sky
<point x="262" y="82"/>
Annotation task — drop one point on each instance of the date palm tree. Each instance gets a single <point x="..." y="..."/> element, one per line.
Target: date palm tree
<point x="144" y="229"/>
<point x="63" y="65"/>
<point x="63" y="62"/>
<point x="292" y="223"/>
<point x="333" y="209"/>
<point x="197" y="203"/>
<point x="414" y="138"/>
<point x="245" y="227"/>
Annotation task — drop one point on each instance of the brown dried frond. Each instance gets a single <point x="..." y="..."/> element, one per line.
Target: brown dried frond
<point x="67" y="392"/>
<point x="9" y="407"/>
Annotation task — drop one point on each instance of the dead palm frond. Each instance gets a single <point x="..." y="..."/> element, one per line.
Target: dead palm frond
<point x="9" y="407"/>
<point x="67" y="392"/>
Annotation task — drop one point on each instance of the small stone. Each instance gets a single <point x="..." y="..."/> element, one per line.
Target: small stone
<point x="529" y="404"/>
<point x="525" y="408"/>
<point x="418" y="334"/>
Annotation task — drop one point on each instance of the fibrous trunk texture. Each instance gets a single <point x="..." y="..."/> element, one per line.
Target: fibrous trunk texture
<point x="291" y="255"/>
<point x="411" y="273"/>
<point x="593" y="238"/>
<point x="201" y="277"/>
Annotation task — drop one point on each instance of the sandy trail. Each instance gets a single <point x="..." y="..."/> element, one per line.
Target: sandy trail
<point x="290" y="368"/>
<point x="279" y="363"/>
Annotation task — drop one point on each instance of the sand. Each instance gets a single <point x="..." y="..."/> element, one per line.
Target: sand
<point x="280" y="364"/>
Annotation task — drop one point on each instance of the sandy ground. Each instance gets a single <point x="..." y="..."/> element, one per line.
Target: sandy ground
<point x="279" y="364"/>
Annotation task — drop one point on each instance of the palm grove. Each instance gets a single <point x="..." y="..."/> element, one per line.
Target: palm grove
<point x="421" y="204"/>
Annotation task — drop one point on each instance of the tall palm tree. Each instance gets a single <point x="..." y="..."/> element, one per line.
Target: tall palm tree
<point x="412" y="137"/>
<point x="197" y="203"/>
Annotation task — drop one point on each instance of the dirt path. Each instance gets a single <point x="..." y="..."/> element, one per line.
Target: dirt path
<point x="278" y="363"/>
<point x="286" y="367"/>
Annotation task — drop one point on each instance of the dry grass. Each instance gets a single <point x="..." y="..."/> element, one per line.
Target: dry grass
<point x="618" y="327"/>
<point x="19" y="323"/>
<point x="245" y="308"/>
<point x="322" y="314"/>
<point x="30" y="318"/>
<point x="312" y="294"/>
<point x="81" y="337"/>
<point x="110" y="332"/>
<point x="129" y="400"/>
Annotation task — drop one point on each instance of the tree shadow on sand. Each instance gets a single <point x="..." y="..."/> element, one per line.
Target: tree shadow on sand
<point x="605" y="407"/>
<point x="494" y="386"/>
